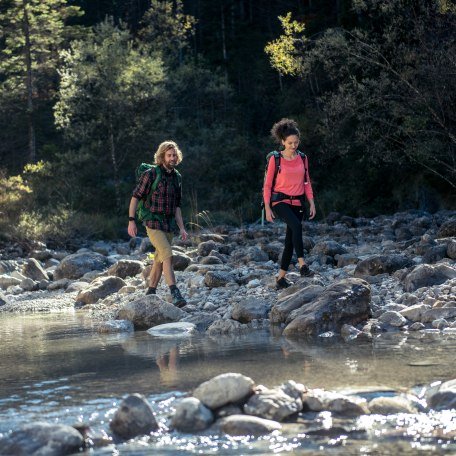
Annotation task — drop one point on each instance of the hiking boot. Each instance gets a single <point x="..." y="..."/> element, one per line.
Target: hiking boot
<point x="282" y="283"/>
<point x="178" y="299"/>
<point x="151" y="291"/>
<point x="305" y="271"/>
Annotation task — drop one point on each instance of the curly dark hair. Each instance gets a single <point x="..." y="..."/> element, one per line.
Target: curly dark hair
<point x="284" y="128"/>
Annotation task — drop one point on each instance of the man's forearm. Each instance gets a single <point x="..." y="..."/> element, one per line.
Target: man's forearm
<point x="133" y="205"/>
<point x="179" y="220"/>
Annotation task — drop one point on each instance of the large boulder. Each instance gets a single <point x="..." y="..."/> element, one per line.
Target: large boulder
<point x="150" y="311"/>
<point x="33" y="270"/>
<point x="381" y="264"/>
<point x="99" y="289"/>
<point x="191" y="416"/>
<point x="133" y="417"/>
<point x="273" y="404"/>
<point x="445" y="397"/>
<point x="281" y="310"/>
<point x="250" y="309"/>
<point x="435" y="253"/>
<point x="224" y="389"/>
<point x="426" y="275"/>
<point x="126" y="268"/>
<point x="42" y="439"/>
<point x="76" y="265"/>
<point x="180" y="261"/>
<point x="345" y="302"/>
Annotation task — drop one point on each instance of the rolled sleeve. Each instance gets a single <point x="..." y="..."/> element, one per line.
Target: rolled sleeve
<point x="143" y="187"/>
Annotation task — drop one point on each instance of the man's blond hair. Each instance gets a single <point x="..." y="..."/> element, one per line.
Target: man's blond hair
<point x="159" y="156"/>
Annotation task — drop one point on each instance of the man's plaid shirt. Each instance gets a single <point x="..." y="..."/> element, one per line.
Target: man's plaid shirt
<point x="164" y="201"/>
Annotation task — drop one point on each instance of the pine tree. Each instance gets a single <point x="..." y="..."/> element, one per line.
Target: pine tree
<point x="32" y="32"/>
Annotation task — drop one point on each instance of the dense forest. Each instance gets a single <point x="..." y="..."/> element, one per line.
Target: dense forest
<point x="88" y="89"/>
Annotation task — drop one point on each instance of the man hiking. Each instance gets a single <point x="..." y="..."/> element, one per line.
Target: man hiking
<point x="159" y="194"/>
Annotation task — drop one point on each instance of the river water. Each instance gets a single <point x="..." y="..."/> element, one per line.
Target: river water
<point x="57" y="368"/>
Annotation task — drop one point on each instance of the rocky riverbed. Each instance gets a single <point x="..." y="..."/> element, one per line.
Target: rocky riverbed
<point x="387" y="274"/>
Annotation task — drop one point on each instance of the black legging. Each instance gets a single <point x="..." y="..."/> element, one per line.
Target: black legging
<point x="292" y="216"/>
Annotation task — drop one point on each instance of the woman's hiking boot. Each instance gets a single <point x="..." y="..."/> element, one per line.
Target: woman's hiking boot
<point x="282" y="283"/>
<point x="304" y="271"/>
<point x="178" y="299"/>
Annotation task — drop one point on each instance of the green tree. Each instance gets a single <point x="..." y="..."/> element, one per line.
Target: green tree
<point x="384" y="90"/>
<point x="32" y="33"/>
<point x="111" y="103"/>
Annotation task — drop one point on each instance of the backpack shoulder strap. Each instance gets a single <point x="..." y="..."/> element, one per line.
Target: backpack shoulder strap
<point x="158" y="175"/>
<point x="276" y="156"/>
<point x="306" y="168"/>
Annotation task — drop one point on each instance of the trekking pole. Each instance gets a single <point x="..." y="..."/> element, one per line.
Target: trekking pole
<point x="262" y="217"/>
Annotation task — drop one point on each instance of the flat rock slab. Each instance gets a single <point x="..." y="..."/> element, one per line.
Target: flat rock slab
<point x="179" y="330"/>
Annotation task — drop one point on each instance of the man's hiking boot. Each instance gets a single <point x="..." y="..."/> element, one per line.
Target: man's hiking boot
<point x="178" y="299"/>
<point x="282" y="283"/>
<point x="305" y="271"/>
<point x="151" y="291"/>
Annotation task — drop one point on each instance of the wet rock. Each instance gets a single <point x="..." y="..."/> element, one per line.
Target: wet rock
<point x="393" y="318"/>
<point x="76" y="265"/>
<point x="445" y="396"/>
<point x="440" y="323"/>
<point x="391" y="405"/>
<point x="250" y="309"/>
<point x="426" y="275"/>
<point x="126" y="268"/>
<point x="447" y="229"/>
<point x="319" y="400"/>
<point x="214" y="279"/>
<point x="349" y="332"/>
<point x="224" y="389"/>
<point x="3" y="299"/>
<point x="281" y="310"/>
<point x="42" y="439"/>
<point x="33" y="270"/>
<point x="247" y="425"/>
<point x="435" y="254"/>
<point x="225" y="327"/>
<point x="191" y="416"/>
<point x="381" y="264"/>
<point x="451" y="249"/>
<point x="100" y="288"/>
<point x="150" y="311"/>
<point x="180" y="261"/>
<point x="273" y="404"/>
<point x="438" y="313"/>
<point x="115" y="326"/>
<point x="133" y="417"/>
<point x="345" y="302"/>
<point x="202" y="320"/>
<point x="329" y="248"/>
<point x="414" y="313"/>
<point x="179" y="330"/>
<point x="228" y="410"/>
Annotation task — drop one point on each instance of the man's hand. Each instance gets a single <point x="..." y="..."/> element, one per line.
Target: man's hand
<point x="184" y="235"/>
<point x="132" y="230"/>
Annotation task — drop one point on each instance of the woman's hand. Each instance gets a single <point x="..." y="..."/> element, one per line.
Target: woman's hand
<point x="269" y="215"/>
<point x="184" y="234"/>
<point x="312" y="210"/>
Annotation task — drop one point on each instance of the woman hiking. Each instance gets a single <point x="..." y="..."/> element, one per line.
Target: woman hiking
<point x="286" y="186"/>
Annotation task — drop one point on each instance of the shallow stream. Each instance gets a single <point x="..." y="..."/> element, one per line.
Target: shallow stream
<point x="57" y="368"/>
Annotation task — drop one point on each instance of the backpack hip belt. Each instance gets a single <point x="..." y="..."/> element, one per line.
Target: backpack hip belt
<point x="279" y="196"/>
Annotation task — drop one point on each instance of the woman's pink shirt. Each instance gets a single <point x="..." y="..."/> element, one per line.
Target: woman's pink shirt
<point x="290" y="180"/>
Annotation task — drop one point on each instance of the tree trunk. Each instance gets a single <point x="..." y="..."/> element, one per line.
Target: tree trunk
<point x="115" y="167"/>
<point x="29" y="85"/>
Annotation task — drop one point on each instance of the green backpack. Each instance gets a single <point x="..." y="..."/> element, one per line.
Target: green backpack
<point x="142" y="212"/>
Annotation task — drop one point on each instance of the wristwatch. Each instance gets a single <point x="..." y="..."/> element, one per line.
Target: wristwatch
<point x="131" y="219"/>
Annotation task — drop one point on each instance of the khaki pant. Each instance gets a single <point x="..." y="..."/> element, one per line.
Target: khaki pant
<point x="162" y="243"/>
